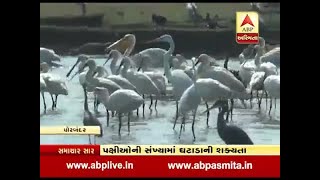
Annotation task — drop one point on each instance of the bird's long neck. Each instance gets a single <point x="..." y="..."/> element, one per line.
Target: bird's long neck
<point x="113" y="65"/>
<point x="257" y="60"/>
<point x="166" y="57"/>
<point x="90" y="73"/>
<point x="124" y="71"/>
<point x="86" y="108"/>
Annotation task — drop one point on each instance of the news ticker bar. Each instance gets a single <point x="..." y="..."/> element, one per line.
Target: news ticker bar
<point x="69" y="130"/>
<point x="160" y="166"/>
<point x="163" y="150"/>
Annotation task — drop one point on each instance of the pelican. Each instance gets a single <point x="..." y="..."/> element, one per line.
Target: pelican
<point x="88" y="118"/>
<point x="50" y="57"/>
<point x="178" y="78"/>
<point x="54" y="85"/>
<point x="126" y="45"/>
<point x="272" y="86"/>
<point x="122" y="101"/>
<point x="141" y="81"/>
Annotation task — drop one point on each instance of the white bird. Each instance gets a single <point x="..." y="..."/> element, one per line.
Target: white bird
<point x="116" y="56"/>
<point x="220" y="74"/>
<point x="212" y="90"/>
<point x="256" y="84"/>
<point x="141" y="81"/>
<point x="49" y="56"/>
<point x="43" y="86"/>
<point x="273" y="56"/>
<point x="157" y="77"/>
<point x="54" y="84"/>
<point x="178" y="78"/>
<point x="126" y="45"/>
<point x="272" y="86"/>
<point x="189" y="101"/>
<point x="123" y="101"/>
<point x="99" y="81"/>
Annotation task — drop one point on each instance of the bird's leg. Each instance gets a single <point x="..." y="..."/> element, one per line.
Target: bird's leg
<point x="55" y="102"/>
<point x="177" y="113"/>
<point x="52" y="102"/>
<point x="95" y="103"/>
<point x="129" y="122"/>
<point x="143" y="106"/>
<point x="155" y="104"/>
<point x="107" y="117"/>
<point x="243" y="103"/>
<point x="270" y="106"/>
<point x="259" y="102"/>
<point x="112" y="113"/>
<point x="251" y="96"/>
<point x="266" y="99"/>
<point x="193" y="121"/>
<point x="151" y="102"/>
<point x="228" y="112"/>
<point x="138" y="112"/>
<point x="231" y="109"/>
<point x="119" y="124"/>
<point x="89" y="139"/>
<point x="208" y="114"/>
<point x="175" y="121"/>
<point x="44" y="102"/>
<point x="183" y="120"/>
<point x="275" y="103"/>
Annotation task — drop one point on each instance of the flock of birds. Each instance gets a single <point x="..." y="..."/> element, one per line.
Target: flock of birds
<point x="125" y="89"/>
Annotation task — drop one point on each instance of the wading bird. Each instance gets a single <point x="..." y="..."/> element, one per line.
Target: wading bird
<point x="54" y="84"/>
<point x="89" y="119"/>
<point x="143" y="83"/>
<point x="228" y="133"/>
<point x="178" y="78"/>
<point x="272" y="86"/>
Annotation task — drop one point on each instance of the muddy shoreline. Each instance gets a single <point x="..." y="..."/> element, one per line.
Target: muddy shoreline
<point x="193" y="40"/>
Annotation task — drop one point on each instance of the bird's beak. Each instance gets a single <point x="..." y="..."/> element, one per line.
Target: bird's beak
<point x="153" y="41"/>
<point x="119" y="67"/>
<point x="68" y="74"/>
<point x="139" y="69"/>
<point x="215" y="105"/>
<point x="107" y="60"/>
<point x="94" y="73"/>
<point x="197" y="62"/>
<point x="120" y="45"/>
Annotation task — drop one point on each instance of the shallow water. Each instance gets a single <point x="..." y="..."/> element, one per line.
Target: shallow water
<point x="154" y="128"/>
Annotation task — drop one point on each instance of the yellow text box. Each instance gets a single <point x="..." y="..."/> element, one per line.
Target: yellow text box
<point x="69" y="130"/>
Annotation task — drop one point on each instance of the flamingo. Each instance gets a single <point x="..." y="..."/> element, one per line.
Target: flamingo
<point x="89" y="119"/>
<point x="179" y="79"/>
<point x="228" y="133"/>
<point x="272" y="86"/>
<point x="141" y="81"/>
<point x="54" y="84"/>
